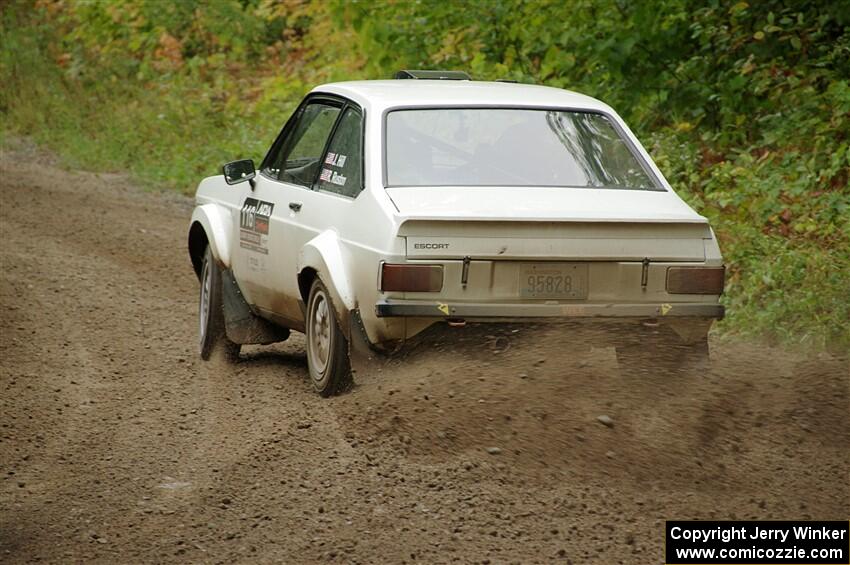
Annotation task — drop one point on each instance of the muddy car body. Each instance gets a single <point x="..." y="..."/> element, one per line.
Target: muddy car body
<point x="385" y="207"/>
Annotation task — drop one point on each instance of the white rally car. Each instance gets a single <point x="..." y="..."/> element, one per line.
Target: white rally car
<point x="385" y="207"/>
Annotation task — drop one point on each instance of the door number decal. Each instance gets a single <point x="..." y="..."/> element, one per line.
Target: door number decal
<point x="254" y="225"/>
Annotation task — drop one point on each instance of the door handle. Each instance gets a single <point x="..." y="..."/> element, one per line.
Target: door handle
<point x="295" y="206"/>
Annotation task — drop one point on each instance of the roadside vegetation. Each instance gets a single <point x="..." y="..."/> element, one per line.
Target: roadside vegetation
<point x="744" y="106"/>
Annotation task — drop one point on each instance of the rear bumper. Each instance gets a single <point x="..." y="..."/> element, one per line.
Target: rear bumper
<point x="519" y="312"/>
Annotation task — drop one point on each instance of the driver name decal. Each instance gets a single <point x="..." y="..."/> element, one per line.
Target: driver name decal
<point x="333" y="177"/>
<point x="254" y="225"/>
<point x="335" y="159"/>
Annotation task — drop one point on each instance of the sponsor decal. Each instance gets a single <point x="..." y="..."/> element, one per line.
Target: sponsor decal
<point x="254" y="225"/>
<point x="251" y="237"/>
<point x="336" y="159"/>
<point x="256" y="263"/>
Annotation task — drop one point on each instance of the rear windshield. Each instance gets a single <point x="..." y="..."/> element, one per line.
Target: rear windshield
<point x="509" y="147"/>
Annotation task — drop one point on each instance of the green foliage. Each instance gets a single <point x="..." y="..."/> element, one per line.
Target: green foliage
<point x="167" y="90"/>
<point x="744" y="105"/>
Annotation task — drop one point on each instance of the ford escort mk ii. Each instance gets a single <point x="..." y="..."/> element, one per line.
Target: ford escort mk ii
<point x="386" y="207"/>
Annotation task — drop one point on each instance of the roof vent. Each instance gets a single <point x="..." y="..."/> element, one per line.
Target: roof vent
<point x="433" y="75"/>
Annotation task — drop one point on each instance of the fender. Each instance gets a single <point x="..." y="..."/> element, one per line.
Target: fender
<point x="217" y="224"/>
<point x="324" y="254"/>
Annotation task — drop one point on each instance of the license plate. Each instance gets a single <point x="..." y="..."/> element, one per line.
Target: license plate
<point x="565" y="281"/>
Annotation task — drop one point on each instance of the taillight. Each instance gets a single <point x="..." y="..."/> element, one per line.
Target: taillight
<point x="695" y="280"/>
<point x="411" y="278"/>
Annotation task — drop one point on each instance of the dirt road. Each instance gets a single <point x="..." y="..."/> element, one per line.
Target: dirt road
<point x="117" y="444"/>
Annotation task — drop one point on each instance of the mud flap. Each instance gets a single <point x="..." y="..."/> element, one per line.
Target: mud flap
<point x="241" y="324"/>
<point x="365" y="359"/>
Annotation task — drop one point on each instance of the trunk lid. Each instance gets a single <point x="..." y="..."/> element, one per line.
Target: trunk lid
<point x="512" y="223"/>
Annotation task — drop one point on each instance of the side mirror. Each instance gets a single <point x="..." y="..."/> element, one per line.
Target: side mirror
<point x="239" y="171"/>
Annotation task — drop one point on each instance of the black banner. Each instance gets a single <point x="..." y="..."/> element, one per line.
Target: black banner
<point x="757" y="543"/>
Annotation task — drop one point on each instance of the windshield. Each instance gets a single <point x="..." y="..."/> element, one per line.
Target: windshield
<point x="509" y="147"/>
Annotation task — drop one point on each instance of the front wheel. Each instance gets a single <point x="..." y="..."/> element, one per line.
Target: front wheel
<point x="327" y="348"/>
<point x="212" y="335"/>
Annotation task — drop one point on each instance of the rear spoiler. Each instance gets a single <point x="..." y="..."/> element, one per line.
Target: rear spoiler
<point x="495" y="227"/>
<point x="587" y="241"/>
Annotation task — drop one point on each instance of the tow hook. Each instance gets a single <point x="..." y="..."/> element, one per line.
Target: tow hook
<point x="464" y="275"/>
<point x="644" y="274"/>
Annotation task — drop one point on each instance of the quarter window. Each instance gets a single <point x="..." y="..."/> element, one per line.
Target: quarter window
<point x="298" y="160"/>
<point x="342" y="166"/>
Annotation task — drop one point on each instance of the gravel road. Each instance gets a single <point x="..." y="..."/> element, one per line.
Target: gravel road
<point x="118" y="444"/>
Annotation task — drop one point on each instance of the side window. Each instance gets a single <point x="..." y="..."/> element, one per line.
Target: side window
<point x="342" y="166"/>
<point x="298" y="159"/>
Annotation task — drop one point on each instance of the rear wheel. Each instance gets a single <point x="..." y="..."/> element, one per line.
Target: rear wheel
<point x="327" y="348"/>
<point x="211" y="331"/>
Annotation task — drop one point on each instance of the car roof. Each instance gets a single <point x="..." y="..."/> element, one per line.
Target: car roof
<point x="380" y="95"/>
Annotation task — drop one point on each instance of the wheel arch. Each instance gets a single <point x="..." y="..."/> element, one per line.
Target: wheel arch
<point x="198" y="242"/>
<point x="322" y="257"/>
<point x="305" y="282"/>
<point x="209" y="226"/>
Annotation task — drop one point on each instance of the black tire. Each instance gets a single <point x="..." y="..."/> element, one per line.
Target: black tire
<point x="212" y="335"/>
<point x="667" y="357"/>
<point x="327" y="348"/>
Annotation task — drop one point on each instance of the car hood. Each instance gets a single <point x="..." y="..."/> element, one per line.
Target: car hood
<point x="541" y="204"/>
